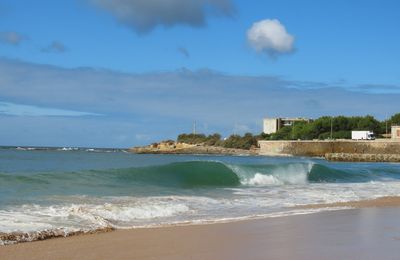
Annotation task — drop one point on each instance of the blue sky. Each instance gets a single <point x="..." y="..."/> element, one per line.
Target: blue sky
<point x="128" y="72"/>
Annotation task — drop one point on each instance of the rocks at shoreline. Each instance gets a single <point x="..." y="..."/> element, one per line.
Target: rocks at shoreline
<point x="171" y="147"/>
<point x="183" y="148"/>
<point x="358" y="157"/>
<point x="20" y="237"/>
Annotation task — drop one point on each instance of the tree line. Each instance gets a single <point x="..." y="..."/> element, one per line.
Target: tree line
<point x="338" y="127"/>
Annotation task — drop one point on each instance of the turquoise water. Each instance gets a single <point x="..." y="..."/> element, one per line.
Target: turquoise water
<point x="90" y="189"/>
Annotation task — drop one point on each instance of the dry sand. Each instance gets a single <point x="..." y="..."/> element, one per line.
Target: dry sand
<point x="362" y="233"/>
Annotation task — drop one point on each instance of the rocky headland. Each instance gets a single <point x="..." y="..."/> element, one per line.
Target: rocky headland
<point x="171" y="147"/>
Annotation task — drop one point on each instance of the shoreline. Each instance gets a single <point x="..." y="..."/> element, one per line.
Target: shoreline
<point x="381" y="202"/>
<point x="331" y="150"/>
<point x="10" y="239"/>
<point x="328" y="235"/>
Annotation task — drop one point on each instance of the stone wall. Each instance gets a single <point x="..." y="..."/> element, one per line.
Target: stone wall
<point x="320" y="148"/>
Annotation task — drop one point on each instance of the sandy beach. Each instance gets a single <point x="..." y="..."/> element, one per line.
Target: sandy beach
<point x="369" y="231"/>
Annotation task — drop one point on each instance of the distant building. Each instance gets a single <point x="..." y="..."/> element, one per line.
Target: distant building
<point x="272" y="125"/>
<point x="396" y="132"/>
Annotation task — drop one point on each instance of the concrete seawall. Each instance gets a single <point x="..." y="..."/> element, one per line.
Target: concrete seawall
<point x="320" y="148"/>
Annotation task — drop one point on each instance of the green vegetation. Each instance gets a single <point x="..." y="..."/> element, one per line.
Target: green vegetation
<point x="241" y="142"/>
<point x="234" y="141"/>
<point x="211" y="140"/>
<point x="395" y="119"/>
<point x="317" y="129"/>
<point x="341" y="128"/>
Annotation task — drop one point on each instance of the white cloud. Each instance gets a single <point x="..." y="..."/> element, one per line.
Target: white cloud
<point x="144" y="16"/>
<point x="271" y="37"/>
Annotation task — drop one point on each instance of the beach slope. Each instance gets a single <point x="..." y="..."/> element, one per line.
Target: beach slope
<point x="363" y="233"/>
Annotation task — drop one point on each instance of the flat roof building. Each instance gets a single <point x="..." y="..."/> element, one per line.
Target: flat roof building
<point x="396" y="132"/>
<point x="272" y="125"/>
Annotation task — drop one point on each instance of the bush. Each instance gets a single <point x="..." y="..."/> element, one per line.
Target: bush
<point x="395" y="119"/>
<point x="233" y="141"/>
<point x="239" y="142"/>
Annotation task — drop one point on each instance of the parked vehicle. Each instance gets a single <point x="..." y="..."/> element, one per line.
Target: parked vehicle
<point x="362" y="135"/>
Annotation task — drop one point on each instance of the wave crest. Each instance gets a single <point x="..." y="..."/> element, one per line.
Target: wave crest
<point x="197" y="174"/>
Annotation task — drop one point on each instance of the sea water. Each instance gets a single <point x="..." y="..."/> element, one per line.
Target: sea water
<point x="61" y="191"/>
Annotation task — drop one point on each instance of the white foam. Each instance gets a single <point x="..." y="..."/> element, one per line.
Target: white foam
<point x="73" y="213"/>
<point x="128" y="213"/>
<point x="113" y="213"/>
<point x="286" y="174"/>
<point x="261" y="180"/>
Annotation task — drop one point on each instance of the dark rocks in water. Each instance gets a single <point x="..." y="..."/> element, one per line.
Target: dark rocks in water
<point x="19" y="237"/>
<point x="359" y="157"/>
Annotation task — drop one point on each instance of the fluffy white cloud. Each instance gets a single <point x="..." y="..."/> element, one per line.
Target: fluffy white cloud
<point x="271" y="37"/>
<point x="143" y="16"/>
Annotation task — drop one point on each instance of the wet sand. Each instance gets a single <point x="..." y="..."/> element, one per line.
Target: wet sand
<point x="382" y="202"/>
<point x="361" y="233"/>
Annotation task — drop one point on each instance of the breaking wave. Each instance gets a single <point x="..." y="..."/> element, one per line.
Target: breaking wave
<point x="179" y="192"/>
<point x="195" y="174"/>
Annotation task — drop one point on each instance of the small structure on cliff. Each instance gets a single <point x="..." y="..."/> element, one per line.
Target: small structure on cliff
<point x="272" y="125"/>
<point x="396" y="132"/>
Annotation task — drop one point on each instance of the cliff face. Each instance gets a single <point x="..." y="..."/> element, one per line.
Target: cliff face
<point x="183" y="148"/>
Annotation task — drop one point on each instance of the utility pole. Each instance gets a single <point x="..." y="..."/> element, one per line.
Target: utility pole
<point x="386" y="120"/>
<point x="293" y="130"/>
<point x="194" y="127"/>
<point x="331" y="128"/>
<point x="387" y="135"/>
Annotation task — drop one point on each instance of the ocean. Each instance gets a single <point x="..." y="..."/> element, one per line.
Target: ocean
<point x="56" y="192"/>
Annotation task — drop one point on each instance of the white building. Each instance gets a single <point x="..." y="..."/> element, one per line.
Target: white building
<point x="272" y="125"/>
<point x="396" y="132"/>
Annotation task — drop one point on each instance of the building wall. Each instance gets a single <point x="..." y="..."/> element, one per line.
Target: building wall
<point x="396" y="132"/>
<point x="270" y="125"/>
<point x="320" y="148"/>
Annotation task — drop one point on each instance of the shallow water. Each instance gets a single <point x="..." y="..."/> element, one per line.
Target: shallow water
<point x="86" y="190"/>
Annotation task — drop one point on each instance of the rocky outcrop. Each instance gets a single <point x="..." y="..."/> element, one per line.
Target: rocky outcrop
<point x="183" y="148"/>
<point x="357" y="157"/>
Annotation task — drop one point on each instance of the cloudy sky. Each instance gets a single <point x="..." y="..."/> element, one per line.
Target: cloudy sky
<point x="119" y="73"/>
